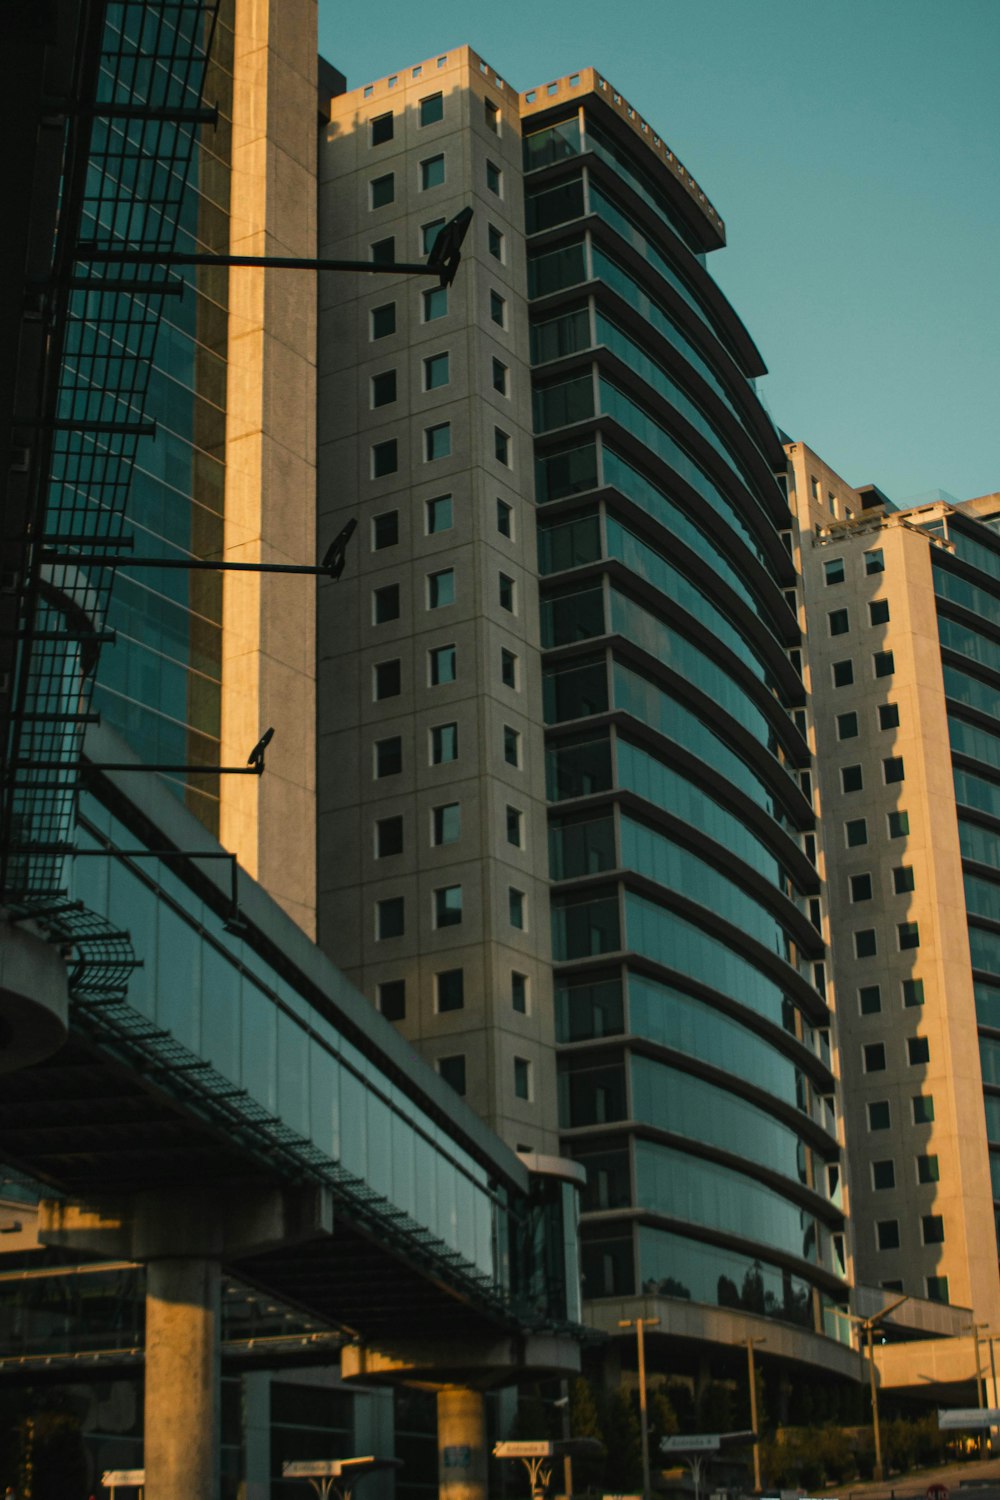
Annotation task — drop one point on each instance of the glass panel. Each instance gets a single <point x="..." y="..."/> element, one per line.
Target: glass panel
<point x="569" y="472"/>
<point x="969" y="642"/>
<point x="987" y="1005"/>
<point x="982" y="898"/>
<point x="547" y="206"/>
<point x="568" y="544"/>
<point x="982" y="602"/>
<point x="552" y="270"/>
<point x="962" y="688"/>
<point x="689" y="1106"/>
<point x="985" y="950"/>
<point x="592" y="1096"/>
<point x="589" y="1010"/>
<point x="574" y="692"/>
<point x="677" y="944"/>
<point x="560" y="336"/>
<point x="975" y="791"/>
<point x="581" y="848"/>
<point x="676" y="1267"/>
<point x="639" y="180"/>
<point x="706" y="1193"/>
<point x="577" y="770"/>
<point x="583" y="928"/>
<point x="559" y="405"/>
<point x="554" y="143"/>
<point x="989" y="1056"/>
<point x="573" y="617"/>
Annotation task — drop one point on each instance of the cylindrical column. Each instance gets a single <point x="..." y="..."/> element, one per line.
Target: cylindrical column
<point x="181" y="1449"/>
<point x="461" y="1415"/>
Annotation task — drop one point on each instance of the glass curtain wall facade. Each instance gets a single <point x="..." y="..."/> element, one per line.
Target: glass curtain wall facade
<point x="695" y="1063"/>
<point x="967" y="592"/>
<point x="160" y="683"/>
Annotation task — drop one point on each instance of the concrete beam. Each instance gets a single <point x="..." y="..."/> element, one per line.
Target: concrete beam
<point x="475" y="1364"/>
<point x="34" y="1000"/>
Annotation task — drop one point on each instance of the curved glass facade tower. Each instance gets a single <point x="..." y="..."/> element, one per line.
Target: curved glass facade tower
<point x="695" y="1065"/>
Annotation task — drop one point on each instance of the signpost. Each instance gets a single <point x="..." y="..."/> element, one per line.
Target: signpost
<point x="336" y="1475"/>
<point x="969" y="1416"/>
<point x="113" y="1479"/>
<point x="537" y="1457"/>
<point x="695" y="1448"/>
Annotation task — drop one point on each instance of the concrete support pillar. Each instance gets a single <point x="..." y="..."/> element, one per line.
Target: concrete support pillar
<point x="181" y="1449"/>
<point x="462" y="1460"/>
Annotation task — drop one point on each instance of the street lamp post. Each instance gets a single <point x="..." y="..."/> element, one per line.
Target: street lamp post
<point x="640" y="1324"/>
<point x="866" y="1325"/>
<point x="974" y="1328"/>
<point x="753" y="1409"/>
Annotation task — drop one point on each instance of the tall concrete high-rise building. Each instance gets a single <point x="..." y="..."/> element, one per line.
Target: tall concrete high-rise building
<point x="903" y="611"/>
<point x="565" y="833"/>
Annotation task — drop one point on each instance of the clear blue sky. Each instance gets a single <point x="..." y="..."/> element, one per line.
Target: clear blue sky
<point x="853" y="149"/>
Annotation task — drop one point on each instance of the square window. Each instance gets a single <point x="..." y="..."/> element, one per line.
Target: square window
<point x="501" y="446"/>
<point x="441" y="588"/>
<point x="388" y="837"/>
<point x="435" y="372"/>
<point x="918" y="1051"/>
<point x="874" y="1057"/>
<point x="444" y="744"/>
<point x="432" y="172"/>
<point x="505" y="514"/>
<point x="851" y="779"/>
<point x="388" y="757"/>
<point x="847" y="726"/>
<point x="814" y="486"/>
<point x="887" y="1234"/>
<point x="878" y="612"/>
<point x="899" y="824"/>
<point x="387" y="679"/>
<point x="519" y="992"/>
<point x="508" y="668"/>
<point x="883" y="1175"/>
<point x="383" y="320"/>
<point x="522" y="1078"/>
<point x="500" y="373"/>
<point x="384" y="459"/>
<point x="446" y="823"/>
<point x="913" y="992"/>
<point x="932" y="1229"/>
<point x="888" y="716"/>
<point x="449" y="989"/>
<point x="383" y="252"/>
<point x="389" y="918"/>
<point x="437" y="441"/>
<point x="515" y="907"/>
<point x="385" y="530"/>
<point x="839" y="622"/>
<point x="861" y="888"/>
<point x="383" y="190"/>
<point x="494" y="240"/>
<point x="380" y="129"/>
<point x="927" y="1169"/>
<point x="392" y="999"/>
<point x="870" y="999"/>
<point x="432" y="109"/>
<point x="506" y="593"/>
<point x="857" y="832"/>
<point x="494" y="178"/>
<point x="843" y="673"/>
<point x="874" y="561"/>
<point x="439" y="514"/>
<point x="937" y="1289"/>
<point x="498" y="309"/>
<point x="383" y="388"/>
<point x="879" y="1116"/>
<point x="909" y="935"/>
<point x="385" y="604"/>
<point x="865" y="945"/>
<point x="923" y="1109"/>
<point x="429" y="233"/>
<point x="902" y="879"/>
<point x="491" y="113"/>
<point x="452" y="1070"/>
<point x="515" y="820"/>
<point x="883" y="663"/>
<point x="442" y="665"/>
<point x="892" y="769"/>
<point x="434" y="303"/>
<point x="448" y="906"/>
<point x="833" y="572"/>
<point x="511" y="746"/>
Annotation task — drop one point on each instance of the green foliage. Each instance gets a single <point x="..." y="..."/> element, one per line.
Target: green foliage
<point x="663" y="1417"/>
<point x="52" y="1460"/>
<point x="623" y="1437"/>
<point x="680" y="1398"/>
<point x="715" y="1408"/>
<point x="584" y="1421"/>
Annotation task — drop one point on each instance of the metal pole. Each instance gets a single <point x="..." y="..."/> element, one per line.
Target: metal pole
<point x="643" y="1418"/>
<point x="878" y="1473"/>
<point x="567" y="1432"/>
<point x="980" y="1393"/>
<point x="753" y="1413"/>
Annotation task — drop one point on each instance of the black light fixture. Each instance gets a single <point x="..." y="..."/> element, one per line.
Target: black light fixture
<point x="335" y="555"/>
<point x="445" y="253"/>
<point x="256" y="756"/>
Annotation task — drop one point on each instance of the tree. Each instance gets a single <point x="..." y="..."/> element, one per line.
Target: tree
<point x="623" y="1436"/>
<point x="584" y="1421"/>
